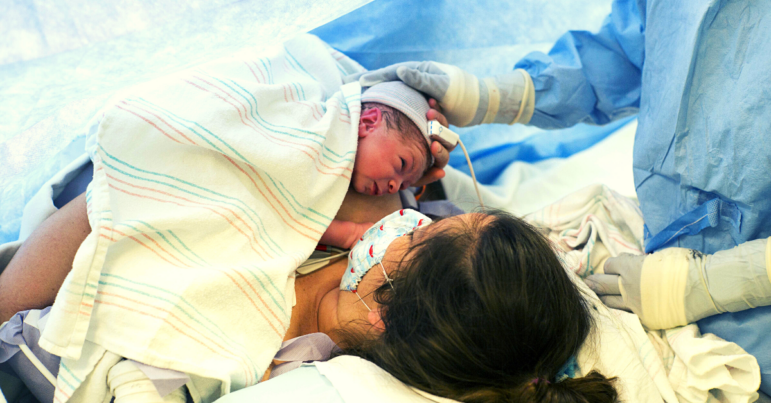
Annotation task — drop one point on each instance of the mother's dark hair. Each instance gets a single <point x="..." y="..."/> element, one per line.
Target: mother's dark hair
<point x="479" y="312"/>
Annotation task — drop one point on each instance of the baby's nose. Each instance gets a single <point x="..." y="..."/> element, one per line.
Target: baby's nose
<point x="393" y="186"/>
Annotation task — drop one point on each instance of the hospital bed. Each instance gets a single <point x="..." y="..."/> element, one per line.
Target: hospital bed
<point x="61" y="62"/>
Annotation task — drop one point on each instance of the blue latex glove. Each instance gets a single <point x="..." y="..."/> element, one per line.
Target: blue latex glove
<point x="465" y="99"/>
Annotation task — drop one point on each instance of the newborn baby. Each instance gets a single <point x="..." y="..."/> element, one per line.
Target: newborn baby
<point x="393" y="150"/>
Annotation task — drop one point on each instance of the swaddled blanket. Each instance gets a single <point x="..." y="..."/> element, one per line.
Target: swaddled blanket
<point x="210" y="187"/>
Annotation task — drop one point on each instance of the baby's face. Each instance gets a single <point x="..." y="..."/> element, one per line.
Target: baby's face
<point x="385" y="163"/>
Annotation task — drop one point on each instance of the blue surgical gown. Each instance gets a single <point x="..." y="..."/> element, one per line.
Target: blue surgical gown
<point x="698" y="74"/>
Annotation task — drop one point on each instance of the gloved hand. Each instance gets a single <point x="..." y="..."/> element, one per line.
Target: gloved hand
<point x="677" y="286"/>
<point x="619" y="287"/>
<point x="465" y="100"/>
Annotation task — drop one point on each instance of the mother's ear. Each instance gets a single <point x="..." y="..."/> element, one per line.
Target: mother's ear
<point x="370" y="119"/>
<point x="375" y="320"/>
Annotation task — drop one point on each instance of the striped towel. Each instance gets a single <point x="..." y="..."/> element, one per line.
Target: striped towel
<point x="210" y="187"/>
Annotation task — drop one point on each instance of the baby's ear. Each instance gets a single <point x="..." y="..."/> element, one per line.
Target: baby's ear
<point x="369" y="120"/>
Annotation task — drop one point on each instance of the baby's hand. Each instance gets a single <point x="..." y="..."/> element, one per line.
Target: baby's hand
<point x="344" y="234"/>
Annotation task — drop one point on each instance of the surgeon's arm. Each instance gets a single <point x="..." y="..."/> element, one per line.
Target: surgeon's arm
<point x="676" y="286"/>
<point x="586" y="77"/>
<point x="591" y="77"/>
<point x="37" y="270"/>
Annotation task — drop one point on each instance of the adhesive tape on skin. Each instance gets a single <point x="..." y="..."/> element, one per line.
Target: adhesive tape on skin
<point x="662" y="288"/>
<point x="493" y="100"/>
<point x="462" y="97"/>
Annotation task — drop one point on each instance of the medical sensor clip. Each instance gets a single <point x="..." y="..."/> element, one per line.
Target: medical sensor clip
<point x="450" y="139"/>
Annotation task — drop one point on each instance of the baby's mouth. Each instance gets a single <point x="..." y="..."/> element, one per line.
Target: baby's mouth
<point x="375" y="190"/>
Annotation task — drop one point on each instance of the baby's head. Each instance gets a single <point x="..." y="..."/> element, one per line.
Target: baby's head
<point x="393" y="151"/>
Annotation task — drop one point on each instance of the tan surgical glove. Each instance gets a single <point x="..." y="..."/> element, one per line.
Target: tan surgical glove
<point x="465" y="99"/>
<point x="677" y="286"/>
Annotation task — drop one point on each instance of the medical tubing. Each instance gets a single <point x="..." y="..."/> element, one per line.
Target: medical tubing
<point x="130" y="385"/>
<point x="39" y="365"/>
<point x="473" y="177"/>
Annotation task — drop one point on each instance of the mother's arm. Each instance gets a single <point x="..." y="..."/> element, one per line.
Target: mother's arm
<point x="37" y="270"/>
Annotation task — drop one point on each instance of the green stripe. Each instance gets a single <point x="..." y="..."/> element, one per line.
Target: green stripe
<point x="222" y="336"/>
<point x="325" y="225"/>
<point x="178" y="118"/>
<point x="158" y="232"/>
<point x="306" y="208"/>
<point x="297" y="62"/>
<point x="268" y="71"/>
<point x="71" y="374"/>
<point x="185" y="246"/>
<point x="210" y="267"/>
<point x="271" y="283"/>
<point x="265" y="289"/>
<point x="259" y="119"/>
<point x="260" y="225"/>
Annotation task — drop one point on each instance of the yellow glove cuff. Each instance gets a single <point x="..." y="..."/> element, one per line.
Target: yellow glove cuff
<point x="662" y="288"/>
<point x="527" y="107"/>
<point x="462" y="97"/>
<point x="768" y="258"/>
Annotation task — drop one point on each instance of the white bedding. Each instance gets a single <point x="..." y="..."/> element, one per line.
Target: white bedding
<point x="526" y="187"/>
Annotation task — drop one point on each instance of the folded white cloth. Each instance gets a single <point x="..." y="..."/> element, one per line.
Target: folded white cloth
<point x="210" y="187"/>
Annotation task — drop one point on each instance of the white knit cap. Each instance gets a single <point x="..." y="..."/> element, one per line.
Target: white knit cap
<point x="401" y="97"/>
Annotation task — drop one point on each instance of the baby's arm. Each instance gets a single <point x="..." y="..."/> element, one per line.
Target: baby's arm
<point x="343" y="234"/>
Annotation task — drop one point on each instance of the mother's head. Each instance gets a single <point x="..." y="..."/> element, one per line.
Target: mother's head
<point x="481" y="310"/>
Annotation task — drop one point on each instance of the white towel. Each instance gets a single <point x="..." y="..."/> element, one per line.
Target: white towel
<point x="210" y="187"/>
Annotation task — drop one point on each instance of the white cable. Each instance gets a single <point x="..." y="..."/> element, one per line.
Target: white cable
<point x="449" y="138"/>
<point x="473" y="177"/>
<point x="39" y="365"/>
